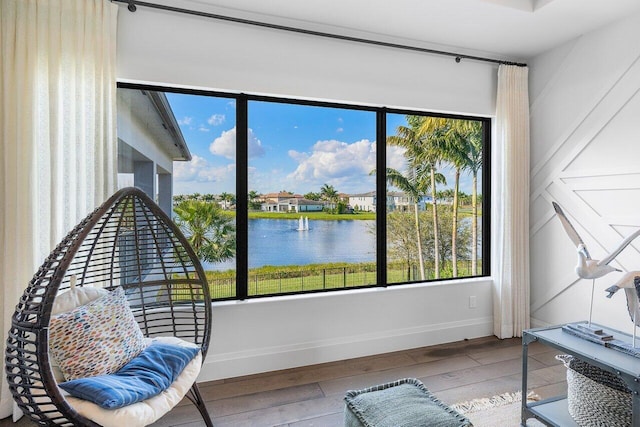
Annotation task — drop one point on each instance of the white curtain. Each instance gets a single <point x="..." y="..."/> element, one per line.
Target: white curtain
<point x="57" y="133"/>
<point x="511" y="255"/>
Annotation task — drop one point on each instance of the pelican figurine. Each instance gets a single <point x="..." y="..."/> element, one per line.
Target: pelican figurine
<point x="630" y="282"/>
<point x="587" y="267"/>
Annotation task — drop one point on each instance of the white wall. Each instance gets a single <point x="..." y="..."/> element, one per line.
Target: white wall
<point x="190" y="51"/>
<point x="276" y="333"/>
<point x="282" y="332"/>
<point x="585" y="155"/>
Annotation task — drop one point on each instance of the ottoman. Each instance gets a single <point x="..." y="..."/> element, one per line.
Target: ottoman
<point x="402" y="403"/>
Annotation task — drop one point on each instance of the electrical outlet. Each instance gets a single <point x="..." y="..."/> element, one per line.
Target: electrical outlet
<point x="472" y="302"/>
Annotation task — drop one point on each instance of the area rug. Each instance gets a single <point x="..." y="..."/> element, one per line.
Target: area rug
<point x="502" y="410"/>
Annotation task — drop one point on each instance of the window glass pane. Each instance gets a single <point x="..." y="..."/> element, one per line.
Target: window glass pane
<point x="312" y="206"/>
<point x="310" y="190"/>
<point x="434" y="170"/>
<point x="180" y="149"/>
<point x="206" y="185"/>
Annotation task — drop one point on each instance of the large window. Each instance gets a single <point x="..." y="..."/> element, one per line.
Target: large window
<point x="279" y="196"/>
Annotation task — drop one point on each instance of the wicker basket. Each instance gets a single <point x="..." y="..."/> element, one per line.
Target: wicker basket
<point x="596" y="398"/>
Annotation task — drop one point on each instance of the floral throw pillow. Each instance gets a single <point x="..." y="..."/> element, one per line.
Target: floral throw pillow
<point x="97" y="338"/>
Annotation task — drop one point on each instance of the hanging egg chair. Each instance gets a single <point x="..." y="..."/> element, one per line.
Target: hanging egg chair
<point x="131" y="245"/>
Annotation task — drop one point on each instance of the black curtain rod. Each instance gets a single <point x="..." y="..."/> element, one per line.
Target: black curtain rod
<point x="132" y="6"/>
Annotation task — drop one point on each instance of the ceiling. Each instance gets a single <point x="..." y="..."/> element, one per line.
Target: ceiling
<point x="502" y="29"/>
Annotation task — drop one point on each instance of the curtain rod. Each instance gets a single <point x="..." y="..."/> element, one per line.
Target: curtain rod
<point x="132" y="6"/>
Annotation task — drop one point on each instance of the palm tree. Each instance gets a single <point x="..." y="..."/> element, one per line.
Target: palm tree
<point x="464" y="198"/>
<point x="327" y="192"/>
<point x="460" y="143"/>
<point x="421" y="158"/>
<point x="253" y="196"/>
<point x="432" y="132"/>
<point x="411" y="189"/>
<point x="446" y="194"/>
<point x="208" y="197"/>
<point x="455" y="149"/>
<point x="312" y="196"/>
<point x="430" y="185"/>
<point x="227" y="199"/>
<point x="209" y="231"/>
<point x="474" y="164"/>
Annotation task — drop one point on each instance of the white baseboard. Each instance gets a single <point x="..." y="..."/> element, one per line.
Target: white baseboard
<point x="537" y="323"/>
<point x="234" y="364"/>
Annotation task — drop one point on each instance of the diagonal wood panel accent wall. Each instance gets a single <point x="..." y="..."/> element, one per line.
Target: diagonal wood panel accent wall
<point x="585" y="121"/>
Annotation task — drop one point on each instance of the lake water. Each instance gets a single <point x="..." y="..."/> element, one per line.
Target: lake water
<point x="278" y="242"/>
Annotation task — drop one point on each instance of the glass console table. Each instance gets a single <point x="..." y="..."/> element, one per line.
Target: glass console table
<point x="554" y="411"/>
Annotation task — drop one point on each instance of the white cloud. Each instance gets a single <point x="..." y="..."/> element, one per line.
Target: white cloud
<point x="255" y="146"/>
<point x="186" y="171"/>
<point x="225" y="145"/>
<point x="200" y="170"/>
<point x="395" y="158"/>
<point x="186" y="121"/>
<point x="216" y="119"/>
<point x="334" y="161"/>
<point x="202" y="128"/>
<point x="339" y="130"/>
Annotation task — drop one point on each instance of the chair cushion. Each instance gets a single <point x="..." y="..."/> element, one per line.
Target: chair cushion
<point x="96" y="338"/>
<point x="75" y="297"/>
<point x="144" y="376"/>
<point x="147" y="411"/>
<point x="402" y="403"/>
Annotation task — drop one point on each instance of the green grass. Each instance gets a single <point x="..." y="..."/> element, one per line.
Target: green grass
<point x="464" y="211"/>
<point x="271" y="280"/>
<point x="312" y="215"/>
<point x="468" y="211"/>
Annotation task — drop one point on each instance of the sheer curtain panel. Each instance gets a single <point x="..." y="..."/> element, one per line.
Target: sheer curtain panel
<point x="57" y="132"/>
<point x="511" y="295"/>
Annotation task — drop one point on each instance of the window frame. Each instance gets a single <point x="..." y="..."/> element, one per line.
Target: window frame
<point x="242" y="206"/>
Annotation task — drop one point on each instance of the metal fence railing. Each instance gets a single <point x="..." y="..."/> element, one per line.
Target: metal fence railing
<point x="290" y="281"/>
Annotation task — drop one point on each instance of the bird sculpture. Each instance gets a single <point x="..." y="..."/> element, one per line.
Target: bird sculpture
<point x="587" y="267"/>
<point x="630" y="282"/>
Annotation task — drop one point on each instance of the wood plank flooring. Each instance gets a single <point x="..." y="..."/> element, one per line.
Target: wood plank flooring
<point x="312" y="395"/>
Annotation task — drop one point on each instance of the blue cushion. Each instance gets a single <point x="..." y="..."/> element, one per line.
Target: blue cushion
<point x="146" y="375"/>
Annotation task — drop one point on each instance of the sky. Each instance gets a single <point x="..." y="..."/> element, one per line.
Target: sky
<point x="296" y="148"/>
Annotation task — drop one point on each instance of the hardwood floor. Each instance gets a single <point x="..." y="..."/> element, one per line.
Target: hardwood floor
<point x="312" y="395"/>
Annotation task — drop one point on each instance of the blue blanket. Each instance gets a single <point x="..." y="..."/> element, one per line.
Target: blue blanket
<point x="146" y="375"/>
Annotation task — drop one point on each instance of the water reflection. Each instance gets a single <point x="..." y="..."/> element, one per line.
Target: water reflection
<point x="279" y="242"/>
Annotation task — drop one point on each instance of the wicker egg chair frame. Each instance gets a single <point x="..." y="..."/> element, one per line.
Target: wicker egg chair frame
<point x="129" y="242"/>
